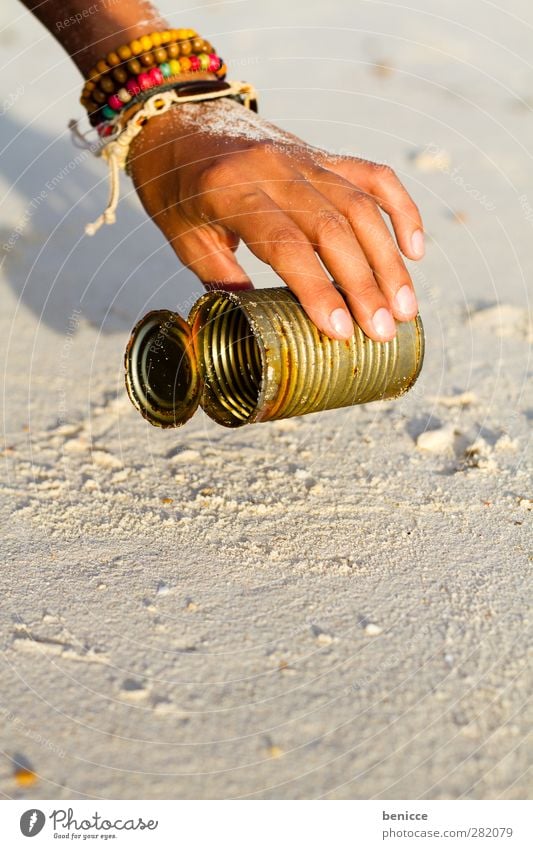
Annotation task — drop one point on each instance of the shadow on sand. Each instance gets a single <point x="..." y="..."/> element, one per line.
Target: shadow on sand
<point x="52" y="189"/>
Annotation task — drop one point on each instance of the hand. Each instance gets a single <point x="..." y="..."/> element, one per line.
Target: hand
<point x="212" y="173"/>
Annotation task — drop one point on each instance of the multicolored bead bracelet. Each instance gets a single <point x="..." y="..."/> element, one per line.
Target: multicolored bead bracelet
<point x="109" y="75"/>
<point x="162" y="76"/>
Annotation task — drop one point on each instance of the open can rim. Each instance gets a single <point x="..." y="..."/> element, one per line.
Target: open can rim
<point x="163" y="335"/>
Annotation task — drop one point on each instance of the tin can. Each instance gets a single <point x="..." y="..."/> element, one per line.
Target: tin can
<point x="255" y="356"/>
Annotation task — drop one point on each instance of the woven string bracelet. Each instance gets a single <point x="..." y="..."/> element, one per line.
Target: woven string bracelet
<point x="116" y="152"/>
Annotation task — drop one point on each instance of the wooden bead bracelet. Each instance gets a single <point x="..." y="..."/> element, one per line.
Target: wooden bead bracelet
<point x="160" y="76"/>
<point x="130" y="60"/>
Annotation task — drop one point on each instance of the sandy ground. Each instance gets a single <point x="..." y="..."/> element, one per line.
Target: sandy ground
<point x="331" y="607"/>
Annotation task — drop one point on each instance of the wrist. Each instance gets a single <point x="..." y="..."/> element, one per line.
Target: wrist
<point x="190" y="122"/>
<point x="172" y="127"/>
<point x="168" y="150"/>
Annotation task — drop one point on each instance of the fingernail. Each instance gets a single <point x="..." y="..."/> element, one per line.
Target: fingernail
<point x="405" y="301"/>
<point x="341" y="323"/>
<point x="417" y="244"/>
<point x="383" y="324"/>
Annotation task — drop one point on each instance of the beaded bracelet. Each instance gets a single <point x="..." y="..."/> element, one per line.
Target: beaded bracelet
<point x="186" y="91"/>
<point x="200" y="62"/>
<point x="130" y="60"/>
<point x="157" y="77"/>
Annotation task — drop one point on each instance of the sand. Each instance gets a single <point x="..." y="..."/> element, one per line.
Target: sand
<point x="334" y="606"/>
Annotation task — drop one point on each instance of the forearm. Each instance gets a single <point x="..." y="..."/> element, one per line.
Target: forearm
<point x="89" y="31"/>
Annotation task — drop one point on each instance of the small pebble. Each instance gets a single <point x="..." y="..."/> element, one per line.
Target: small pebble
<point x="25" y="777"/>
<point x="460" y="216"/>
<point x="463" y="399"/>
<point x="274" y="752"/>
<point x="322" y="637"/>
<point x="186" y="456"/>
<point x="75" y="446"/>
<point x="432" y="160"/>
<point x="105" y="460"/>
<point x="437" y="440"/>
<point x="133" y="690"/>
<point x="382" y="69"/>
<point x="373" y="630"/>
<point x="162" y="705"/>
<point x="285" y="425"/>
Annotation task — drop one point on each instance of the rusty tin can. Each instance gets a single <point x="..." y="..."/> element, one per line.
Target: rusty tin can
<point x="255" y="356"/>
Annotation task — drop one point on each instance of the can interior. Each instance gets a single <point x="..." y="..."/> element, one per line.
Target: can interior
<point x="161" y="374"/>
<point x="230" y="358"/>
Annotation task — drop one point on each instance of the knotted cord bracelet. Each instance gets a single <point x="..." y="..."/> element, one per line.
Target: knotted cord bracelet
<point x="116" y="152"/>
<point x="115" y="125"/>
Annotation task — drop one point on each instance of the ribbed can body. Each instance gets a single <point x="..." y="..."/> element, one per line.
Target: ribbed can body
<point x="261" y="358"/>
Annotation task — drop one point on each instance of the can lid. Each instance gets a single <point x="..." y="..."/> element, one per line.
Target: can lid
<point x="162" y="375"/>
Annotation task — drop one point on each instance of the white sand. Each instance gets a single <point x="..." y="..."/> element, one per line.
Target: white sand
<point x="328" y="607"/>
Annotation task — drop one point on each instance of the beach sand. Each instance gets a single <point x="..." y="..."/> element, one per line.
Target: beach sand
<point x="333" y="606"/>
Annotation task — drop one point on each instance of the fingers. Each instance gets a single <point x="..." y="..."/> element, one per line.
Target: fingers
<point x="275" y="238"/>
<point x="216" y="267"/>
<point x="388" y="191"/>
<point x="383" y="257"/>
<point x="331" y="235"/>
<point x="210" y="254"/>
